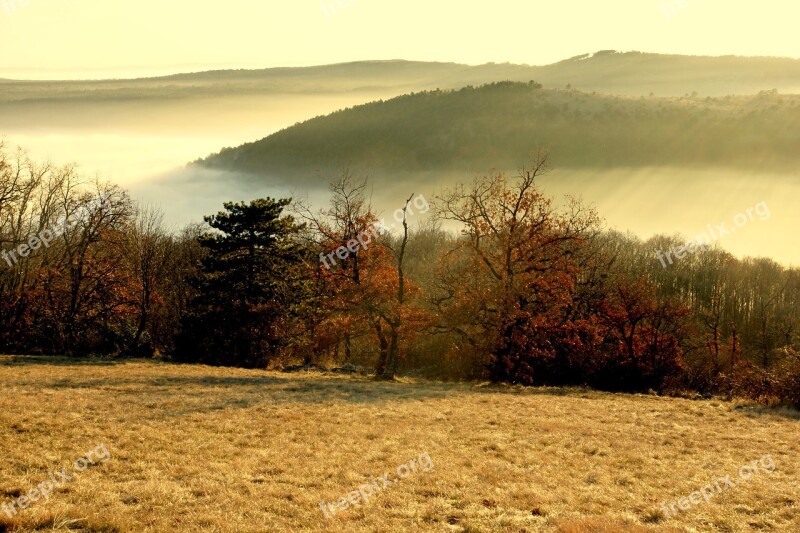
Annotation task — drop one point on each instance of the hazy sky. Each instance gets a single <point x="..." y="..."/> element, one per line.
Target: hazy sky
<point x="96" y="38"/>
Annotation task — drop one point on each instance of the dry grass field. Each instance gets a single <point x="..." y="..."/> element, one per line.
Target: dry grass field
<point x="203" y="449"/>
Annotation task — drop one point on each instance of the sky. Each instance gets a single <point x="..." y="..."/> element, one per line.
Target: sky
<point x="58" y="39"/>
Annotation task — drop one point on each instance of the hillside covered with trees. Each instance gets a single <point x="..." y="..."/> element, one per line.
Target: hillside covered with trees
<point x="495" y="125"/>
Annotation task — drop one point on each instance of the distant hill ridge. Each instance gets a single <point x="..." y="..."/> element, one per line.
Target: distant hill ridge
<point x="628" y="73"/>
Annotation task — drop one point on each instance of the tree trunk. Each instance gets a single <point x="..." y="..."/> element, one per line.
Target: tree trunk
<point x="391" y="362"/>
<point x="380" y="367"/>
<point x="394" y="324"/>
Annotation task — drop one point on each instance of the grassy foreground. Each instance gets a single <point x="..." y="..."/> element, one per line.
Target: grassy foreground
<point x="196" y="448"/>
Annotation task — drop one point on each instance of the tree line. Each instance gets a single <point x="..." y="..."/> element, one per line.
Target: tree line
<point x="527" y="291"/>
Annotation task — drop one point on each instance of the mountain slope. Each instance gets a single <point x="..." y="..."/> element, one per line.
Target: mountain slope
<point x="630" y="73"/>
<point x="637" y="74"/>
<point x="498" y="124"/>
<point x="365" y="76"/>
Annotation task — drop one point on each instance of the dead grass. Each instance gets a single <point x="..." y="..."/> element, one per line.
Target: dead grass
<point x="196" y="448"/>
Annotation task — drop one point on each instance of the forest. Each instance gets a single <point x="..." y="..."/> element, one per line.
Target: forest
<point x="495" y="125"/>
<point x="524" y="292"/>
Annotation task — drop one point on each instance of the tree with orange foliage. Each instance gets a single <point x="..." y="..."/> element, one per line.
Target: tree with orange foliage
<point x="361" y="274"/>
<point x="506" y="288"/>
<point x="644" y="336"/>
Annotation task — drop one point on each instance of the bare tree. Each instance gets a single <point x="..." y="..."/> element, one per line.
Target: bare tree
<point x="148" y="253"/>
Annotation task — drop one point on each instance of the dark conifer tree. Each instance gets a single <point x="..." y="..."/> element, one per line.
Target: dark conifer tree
<point x="249" y="282"/>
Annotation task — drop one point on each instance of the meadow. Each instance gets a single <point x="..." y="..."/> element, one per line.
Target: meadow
<point x="199" y="448"/>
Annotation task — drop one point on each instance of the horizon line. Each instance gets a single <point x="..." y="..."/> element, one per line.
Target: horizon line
<point x="199" y="68"/>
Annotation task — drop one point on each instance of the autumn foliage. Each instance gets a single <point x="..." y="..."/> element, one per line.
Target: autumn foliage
<point x="531" y="302"/>
<point x="527" y="290"/>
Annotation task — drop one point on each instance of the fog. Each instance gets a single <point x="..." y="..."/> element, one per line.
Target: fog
<point x="145" y="148"/>
<point x="685" y="201"/>
<point x="129" y="142"/>
<point x="643" y="201"/>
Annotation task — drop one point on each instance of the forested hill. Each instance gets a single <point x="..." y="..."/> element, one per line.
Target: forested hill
<point x="499" y="124"/>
